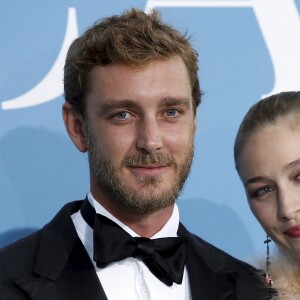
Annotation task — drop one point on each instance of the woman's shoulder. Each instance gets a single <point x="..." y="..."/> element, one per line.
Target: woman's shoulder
<point x="285" y="273"/>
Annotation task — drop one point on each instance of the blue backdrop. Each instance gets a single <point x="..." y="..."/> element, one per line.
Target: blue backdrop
<point x="247" y="48"/>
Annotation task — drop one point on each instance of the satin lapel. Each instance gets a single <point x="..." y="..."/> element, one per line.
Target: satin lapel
<point x="78" y="281"/>
<point x="63" y="268"/>
<point x="207" y="279"/>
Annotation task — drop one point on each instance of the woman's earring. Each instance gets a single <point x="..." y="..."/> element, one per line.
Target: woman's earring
<point x="268" y="263"/>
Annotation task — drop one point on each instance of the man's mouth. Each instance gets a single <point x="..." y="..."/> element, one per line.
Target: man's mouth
<point x="149" y="170"/>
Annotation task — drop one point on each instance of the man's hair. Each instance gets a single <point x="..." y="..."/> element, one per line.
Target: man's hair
<point x="266" y="112"/>
<point x="134" y="39"/>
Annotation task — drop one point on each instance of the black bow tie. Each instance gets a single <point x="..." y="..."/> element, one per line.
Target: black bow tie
<point x="165" y="257"/>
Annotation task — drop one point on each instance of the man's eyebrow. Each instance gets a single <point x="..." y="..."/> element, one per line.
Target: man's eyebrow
<point x="170" y="101"/>
<point x="111" y="105"/>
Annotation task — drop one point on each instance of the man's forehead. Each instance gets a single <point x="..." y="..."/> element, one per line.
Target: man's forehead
<point x="167" y="78"/>
<point x="136" y="68"/>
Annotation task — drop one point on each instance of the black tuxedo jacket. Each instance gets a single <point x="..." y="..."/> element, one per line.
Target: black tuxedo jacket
<point x="52" y="264"/>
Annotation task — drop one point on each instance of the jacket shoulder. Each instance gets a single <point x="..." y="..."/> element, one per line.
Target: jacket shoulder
<point x="19" y="256"/>
<point x="18" y="259"/>
<point x="248" y="281"/>
<point x="219" y="255"/>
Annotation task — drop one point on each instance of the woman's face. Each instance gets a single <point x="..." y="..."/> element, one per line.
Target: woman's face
<point x="270" y="171"/>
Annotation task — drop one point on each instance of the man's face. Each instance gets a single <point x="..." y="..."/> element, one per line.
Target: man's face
<point x="140" y="131"/>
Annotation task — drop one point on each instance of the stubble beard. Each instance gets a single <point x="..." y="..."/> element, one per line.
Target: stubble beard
<point x="145" y="200"/>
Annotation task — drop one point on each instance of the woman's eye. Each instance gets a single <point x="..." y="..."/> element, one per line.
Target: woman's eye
<point x="263" y="191"/>
<point x="171" y="112"/>
<point x="122" y="115"/>
<point x="297" y="177"/>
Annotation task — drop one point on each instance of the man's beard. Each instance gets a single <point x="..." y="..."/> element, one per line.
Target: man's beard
<point x="111" y="179"/>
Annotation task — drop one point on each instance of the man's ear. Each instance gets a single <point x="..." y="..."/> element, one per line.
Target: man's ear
<point x="74" y="123"/>
<point x="195" y="123"/>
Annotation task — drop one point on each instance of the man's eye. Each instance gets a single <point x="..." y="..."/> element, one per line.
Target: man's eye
<point x="122" y="115"/>
<point x="171" y="112"/>
<point x="263" y="191"/>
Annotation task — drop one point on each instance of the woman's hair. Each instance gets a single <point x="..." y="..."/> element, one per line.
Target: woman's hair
<point x="133" y="39"/>
<point x="265" y="112"/>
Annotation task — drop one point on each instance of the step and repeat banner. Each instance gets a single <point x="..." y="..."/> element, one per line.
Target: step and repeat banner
<point x="247" y="49"/>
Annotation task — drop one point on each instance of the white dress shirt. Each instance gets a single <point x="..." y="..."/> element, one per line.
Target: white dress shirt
<point x="130" y="279"/>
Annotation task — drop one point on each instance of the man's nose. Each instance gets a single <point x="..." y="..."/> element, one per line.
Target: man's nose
<point x="149" y="139"/>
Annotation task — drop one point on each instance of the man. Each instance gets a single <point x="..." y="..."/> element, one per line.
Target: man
<point x="131" y="90"/>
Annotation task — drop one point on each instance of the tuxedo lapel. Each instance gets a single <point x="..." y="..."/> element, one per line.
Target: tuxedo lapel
<point x="208" y="280"/>
<point x="77" y="281"/>
<point x="63" y="269"/>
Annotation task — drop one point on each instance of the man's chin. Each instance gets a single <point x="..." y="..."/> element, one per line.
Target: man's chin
<point x="145" y="199"/>
<point x="151" y="188"/>
<point x="142" y="181"/>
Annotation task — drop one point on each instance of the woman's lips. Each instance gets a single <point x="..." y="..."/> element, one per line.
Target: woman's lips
<point x="293" y="232"/>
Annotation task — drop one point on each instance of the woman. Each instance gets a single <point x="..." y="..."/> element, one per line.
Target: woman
<point x="267" y="158"/>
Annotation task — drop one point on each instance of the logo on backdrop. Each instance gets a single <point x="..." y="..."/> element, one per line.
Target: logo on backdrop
<point x="282" y="39"/>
